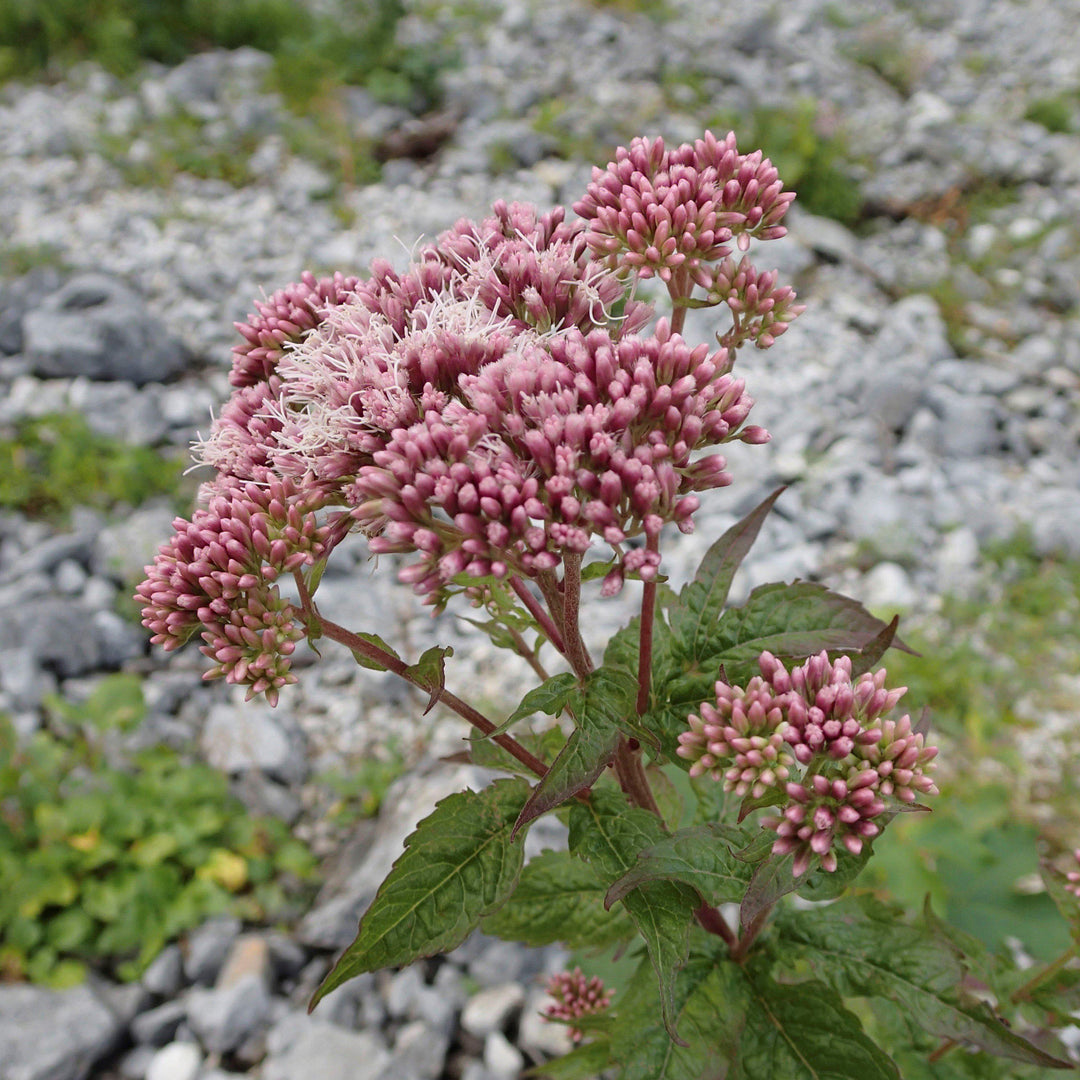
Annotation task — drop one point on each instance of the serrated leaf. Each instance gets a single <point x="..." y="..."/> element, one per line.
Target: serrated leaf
<point x="700" y="856"/>
<point x="559" y="898"/>
<point x="803" y="1032"/>
<point x="366" y="661"/>
<point x="598" y="569"/>
<point x="582" y="1063"/>
<point x="600" y="709"/>
<point x="861" y="948"/>
<point x="550" y="697"/>
<point x="639" y="1040"/>
<point x="702" y="600"/>
<point x="610" y="834"/>
<point x="459" y="865"/>
<point x="545" y="745"/>
<point x="429" y="672"/>
<point x="1066" y="902"/>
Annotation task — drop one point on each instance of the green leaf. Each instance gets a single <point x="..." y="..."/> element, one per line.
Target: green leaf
<point x="582" y="1063"/>
<point x="700" y="856"/>
<point x="600" y="709"/>
<point x="429" y="674"/>
<point x="1066" y="902"/>
<point x="803" y="1032"/>
<point x="550" y="697"/>
<point x="790" y="621"/>
<point x="367" y="662"/>
<point x="610" y="834"/>
<point x="559" y="898"/>
<point x="702" y="600"/>
<point x="459" y="865"/>
<point x="546" y="746"/>
<point x="861" y="948"/>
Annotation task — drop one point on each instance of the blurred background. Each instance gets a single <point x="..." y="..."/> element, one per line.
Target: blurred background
<point x="177" y="868"/>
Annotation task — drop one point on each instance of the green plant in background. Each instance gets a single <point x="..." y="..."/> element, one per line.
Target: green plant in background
<point x="103" y="863"/>
<point x="50" y="464"/>
<point x="1057" y="114"/>
<point x="355" y="43"/>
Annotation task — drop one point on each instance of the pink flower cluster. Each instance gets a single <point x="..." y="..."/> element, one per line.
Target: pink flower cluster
<point x="856" y="761"/>
<point x="489" y="410"/>
<point x="218" y="571"/>
<point x="576" y="996"/>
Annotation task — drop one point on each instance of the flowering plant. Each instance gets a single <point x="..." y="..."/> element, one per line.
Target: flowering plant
<point x="507" y="416"/>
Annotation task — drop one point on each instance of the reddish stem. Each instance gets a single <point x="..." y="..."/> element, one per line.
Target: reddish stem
<point x="543" y="620"/>
<point x="576" y="652"/>
<point x="462" y="708"/>
<point x="645" y="641"/>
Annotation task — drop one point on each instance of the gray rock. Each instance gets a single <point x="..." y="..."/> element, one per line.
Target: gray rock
<point x="62" y="636"/>
<point x="329" y="1053"/>
<point x="118" y="639"/>
<point x="165" y="975"/>
<point x="226" y="1016"/>
<point x="538" y="1034"/>
<point x="1055" y="527"/>
<point x="418" y="1054"/>
<point x="207" y="948"/>
<point x="402" y="990"/>
<point x="156" y="1027"/>
<point x="238" y="738"/>
<point x="53" y="1035"/>
<point x="23" y="681"/>
<point x="97" y="326"/>
<point x="135" y="1062"/>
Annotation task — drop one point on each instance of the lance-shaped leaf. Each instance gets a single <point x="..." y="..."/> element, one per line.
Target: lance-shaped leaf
<point x="803" y="1032"/>
<point x="701" y="856"/>
<point x="559" y="898"/>
<point x="583" y="1063"/>
<point x="861" y="948"/>
<point x="702" y="600"/>
<point x="1067" y="903"/>
<point x="428" y="672"/>
<point x="790" y="621"/>
<point x="550" y="697"/>
<point x="367" y="661"/>
<point x="601" y="709"/>
<point x="610" y="835"/>
<point x="459" y="865"/>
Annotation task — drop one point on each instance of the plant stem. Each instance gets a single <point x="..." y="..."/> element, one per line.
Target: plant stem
<point x="462" y="708"/>
<point x="632" y="778"/>
<point x="1022" y="993"/>
<point x="746" y="939"/>
<point x="711" y="920"/>
<point x="543" y="620"/>
<point x="576" y="652"/>
<point x="679" y="288"/>
<point x="645" y="640"/>
<point x="521" y="647"/>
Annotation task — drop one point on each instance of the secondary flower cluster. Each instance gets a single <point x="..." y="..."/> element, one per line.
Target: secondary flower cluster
<point x="576" y="996"/>
<point x="671" y="213"/>
<point x="856" y="762"/>
<point x="218" y="571"/>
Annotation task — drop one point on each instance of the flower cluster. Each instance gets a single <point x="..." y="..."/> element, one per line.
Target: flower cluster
<point x="492" y="409"/>
<point x="576" y="996"/>
<point x="219" y="571"/>
<point x="858" y="763"/>
<point x="1073" y="877"/>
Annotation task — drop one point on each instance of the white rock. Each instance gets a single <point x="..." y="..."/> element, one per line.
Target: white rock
<point x="177" y="1061"/>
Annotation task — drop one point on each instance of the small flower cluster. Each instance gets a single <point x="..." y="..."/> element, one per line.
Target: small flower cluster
<point x="219" y="571"/>
<point x="671" y="213"/>
<point x="1073" y="877"/>
<point x="856" y="760"/>
<point x="576" y="996"/>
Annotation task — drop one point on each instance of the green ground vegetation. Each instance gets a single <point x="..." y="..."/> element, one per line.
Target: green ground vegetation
<point x="105" y="860"/>
<point x="49" y="465"/>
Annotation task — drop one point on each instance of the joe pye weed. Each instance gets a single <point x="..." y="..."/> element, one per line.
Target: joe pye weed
<point x="508" y="416"/>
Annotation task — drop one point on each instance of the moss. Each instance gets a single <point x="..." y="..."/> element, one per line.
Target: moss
<point x="1055" y="113"/>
